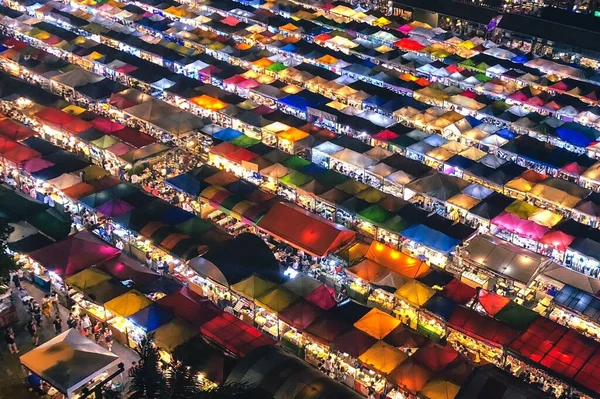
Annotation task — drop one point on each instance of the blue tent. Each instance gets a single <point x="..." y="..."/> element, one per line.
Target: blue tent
<point x="151" y="317"/>
<point x="430" y="238"/>
<point x="289" y="48"/>
<point x="474" y="122"/>
<point x="186" y="183"/>
<point x="174" y="215"/>
<point x="506" y="134"/>
<point x="441" y="306"/>
<point x="295" y="101"/>
<point x="375" y="100"/>
<point x="313" y="170"/>
<point x="460" y="162"/>
<point x="227" y="134"/>
<point x="241" y="187"/>
<point x="576" y="134"/>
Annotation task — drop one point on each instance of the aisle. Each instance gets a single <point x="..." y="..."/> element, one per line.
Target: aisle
<point x="12" y="379"/>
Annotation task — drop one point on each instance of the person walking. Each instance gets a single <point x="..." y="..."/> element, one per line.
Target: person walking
<point x="57" y="325"/>
<point x="10" y="341"/>
<point x="108" y="338"/>
<point x="86" y="325"/>
<point x="72" y="321"/>
<point x="33" y="331"/>
<point x="37" y="313"/>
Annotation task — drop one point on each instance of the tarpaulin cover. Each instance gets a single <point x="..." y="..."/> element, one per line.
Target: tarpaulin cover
<point x="314" y="235"/>
<point x="410" y="375"/>
<point x="323" y="297"/>
<point x="415" y="293"/>
<point x="253" y="287"/>
<point x="473" y="324"/>
<point x="277" y="299"/>
<point x="396" y="261"/>
<point x="234" y="335"/>
<point x="435" y="357"/>
<point x="151" y="317"/>
<point x="382" y="357"/>
<point x="541" y="336"/>
<point x="301" y="314"/>
<point x="127" y="304"/>
<point x="569" y="354"/>
<point x="173" y="334"/>
<point x="377" y="323"/>
<point x="74" y="254"/>
<point x="190" y="307"/>
<point x="491" y="302"/>
<point x="354" y="343"/>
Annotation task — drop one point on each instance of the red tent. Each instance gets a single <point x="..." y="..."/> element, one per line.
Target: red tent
<point x="7" y="145"/>
<point x="234" y="335"/>
<point x="541" y="335"/>
<point x="481" y="327"/>
<point x="191" y="307"/>
<point x="589" y="375"/>
<point x="126" y="68"/>
<point x="458" y="292"/>
<point x="574" y="169"/>
<point x="36" y="164"/>
<point x="55" y="116"/>
<point x="241" y="155"/>
<point x="231" y="21"/>
<point x="410" y="376"/>
<point x="354" y="342"/>
<point x="326" y="329"/>
<point x="322" y="296"/>
<point x="569" y="354"/>
<point x="301" y="314"/>
<point x="518" y="96"/>
<point x="133" y="137"/>
<point x="79" y="190"/>
<point x="311" y="233"/>
<point x="224" y="149"/>
<point x="125" y="268"/>
<point x="492" y="303"/>
<point x="120" y="102"/>
<point x="435" y="357"/>
<point x="385" y="135"/>
<point x="14" y="131"/>
<point x="21" y="154"/>
<point x="458" y="371"/>
<point x="409" y="44"/>
<point x="106" y="125"/>
<point x="77" y="126"/>
<point x="323" y="37"/>
<point x="557" y="239"/>
<point x="74" y="254"/>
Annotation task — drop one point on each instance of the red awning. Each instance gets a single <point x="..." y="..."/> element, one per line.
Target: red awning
<point x="557" y="239"/>
<point x="435" y="357"/>
<point x="14" y="131"/>
<point x="234" y="335"/>
<point x="125" y="268"/>
<point x="354" y="342"/>
<point x="409" y="44"/>
<point x="191" y="307"/>
<point x="133" y="137"/>
<point x="569" y="354"/>
<point x="311" y="233"/>
<point x="21" y="154"/>
<point x="492" y="303"/>
<point x="55" y="116"/>
<point x="538" y="339"/>
<point x="301" y="315"/>
<point x="106" y="126"/>
<point x="589" y="376"/>
<point x="385" y="135"/>
<point x="326" y="329"/>
<point x="481" y="327"/>
<point x="323" y="297"/>
<point x="241" y="155"/>
<point x="458" y="292"/>
<point x="77" y="126"/>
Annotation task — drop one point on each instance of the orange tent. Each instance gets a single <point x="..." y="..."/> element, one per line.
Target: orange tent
<point x="396" y="261"/>
<point x="382" y="357"/>
<point x="263" y="63"/>
<point x="311" y="233"/>
<point x="368" y="270"/>
<point x="410" y="376"/>
<point x="377" y="324"/>
<point x="208" y="102"/>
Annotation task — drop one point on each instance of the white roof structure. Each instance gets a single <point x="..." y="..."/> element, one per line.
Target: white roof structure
<point x="69" y="361"/>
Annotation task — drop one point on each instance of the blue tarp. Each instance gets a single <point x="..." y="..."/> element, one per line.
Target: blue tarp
<point x="174" y="215"/>
<point x="289" y="48"/>
<point x="441" y="306"/>
<point x="576" y="134"/>
<point x="375" y="100"/>
<point x="295" y="101"/>
<point x="227" y="134"/>
<point x="151" y="318"/>
<point x="430" y="238"/>
<point x="185" y="183"/>
<point x="460" y="162"/>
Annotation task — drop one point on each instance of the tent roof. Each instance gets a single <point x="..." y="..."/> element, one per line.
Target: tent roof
<point x="416" y="293"/>
<point x="354" y="342"/>
<point x="173" y="334"/>
<point x="301" y="314"/>
<point x="481" y="327"/>
<point x="382" y="357"/>
<point x="253" y="286"/>
<point x="377" y="324"/>
<point x="190" y="307"/>
<point x="572" y="278"/>
<point x="435" y="357"/>
<point x="302" y="284"/>
<point x="323" y="297"/>
<point x="152" y="317"/>
<point x="458" y="291"/>
<point x="69" y="361"/>
<point x="410" y="375"/>
<point x="127" y="304"/>
<point x="277" y="299"/>
<point x="314" y="235"/>
<point x="396" y="261"/>
<point x="86" y="279"/>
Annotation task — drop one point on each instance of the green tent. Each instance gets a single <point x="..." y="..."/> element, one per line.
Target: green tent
<point x="276" y="67"/>
<point x="276" y="300"/>
<point x="375" y="214"/>
<point x="482" y="77"/>
<point x="194" y="227"/>
<point x="52" y="223"/>
<point x="402" y="141"/>
<point x="516" y="316"/>
<point x="331" y="178"/>
<point x="295" y="179"/>
<point x="105" y="142"/>
<point x="295" y="162"/>
<point x="244" y="141"/>
<point x="15" y="207"/>
<point x="396" y="224"/>
<point x="253" y="287"/>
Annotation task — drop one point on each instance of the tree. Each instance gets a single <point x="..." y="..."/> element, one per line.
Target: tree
<point x="7" y="262"/>
<point x="147" y="379"/>
<point x="180" y="382"/>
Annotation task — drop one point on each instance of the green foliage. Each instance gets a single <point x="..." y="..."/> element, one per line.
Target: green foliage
<point x="147" y="378"/>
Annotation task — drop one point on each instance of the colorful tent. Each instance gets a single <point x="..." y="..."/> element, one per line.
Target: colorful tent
<point x="396" y="261"/>
<point x="253" y="287"/>
<point x="128" y="303"/>
<point x="382" y="357"/>
<point x="301" y="314"/>
<point x="491" y="302"/>
<point x="86" y="279"/>
<point x="314" y="235"/>
<point x="151" y="317"/>
<point x="440" y="389"/>
<point x="277" y="299"/>
<point x="481" y="327"/>
<point x="323" y="297"/>
<point x="415" y="293"/>
<point x="435" y="357"/>
<point x="173" y="334"/>
<point x="353" y="342"/>
<point x="190" y="307"/>
<point x="377" y="324"/>
<point x="404" y="338"/>
<point x="125" y="268"/>
<point x="302" y="285"/>
<point x="410" y="376"/>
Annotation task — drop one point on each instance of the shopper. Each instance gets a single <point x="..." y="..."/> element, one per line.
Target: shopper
<point x="10" y="341"/>
<point x="57" y="325"/>
<point x="33" y="331"/>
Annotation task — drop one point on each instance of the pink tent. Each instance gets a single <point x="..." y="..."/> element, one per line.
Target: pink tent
<point x="248" y="84"/>
<point x="405" y="29"/>
<point x="114" y="208"/>
<point x="120" y="149"/>
<point x="36" y="164"/>
<point x="323" y="297"/>
<point x="234" y="80"/>
<point x="531" y="230"/>
<point x="74" y="254"/>
<point x="507" y="221"/>
<point x="106" y="125"/>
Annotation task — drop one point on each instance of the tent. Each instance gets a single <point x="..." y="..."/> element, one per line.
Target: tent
<point x="74" y="254"/>
<point x="481" y="327"/>
<point x="440" y="389"/>
<point x="151" y="317"/>
<point x="173" y="334"/>
<point x="377" y="324"/>
<point x="430" y="238"/>
<point x="382" y="357"/>
<point x="69" y="361"/>
<point x="404" y="338"/>
<point x="564" y="275"/>
<point x="234" y="335"/>
<point x="301" y="314"/>
<point x="323" y="296"/>
<point x="314" y="235"/>
<point x="125" y="268"/>
<point x="396" y="261"/>
<point x="128" y="304"/>
<point x="86" y="279"/>
<point x="190" y="307"/>
<point x="302" y="285"/>
<point x="354" y="342"/>
<point x="435" y="357"/>
<point x="415" y="293"/>
<point x="410" y="376"/>
<point x="491" y="302"/>
<point x="516" y="316"/>
<point x="252" y="287"/>
<point x="276" y="300"/>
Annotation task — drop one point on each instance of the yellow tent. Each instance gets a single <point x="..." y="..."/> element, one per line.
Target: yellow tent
<point x="343" y="10"/>
<point x="440" y="154"/>
<point x="327" y="59"/>
<point x="293" y="134"/>
<point x="208" y="102"/>
<point x="253" y="287"/>
<point x="288" y="27"/>
<point x="276" y="300"/>
<point x="415" y="293"/>
<point x="381" y="22"/>
<point x="292" y="89"/>
<point x="74" y="110"/>
<point x="127" y="304"/>
<point x="169" y="336"/>
<point x="439" y="389"/>
<point x="371" y="195"/>
<point x="382" y="357"/>
<point x="377" y="324"/>
<point x="546" y="218"/>
<point x="263" y="63"/>
<point x="519" y="184"/>
<point x="86" y="279"/>
<point x="522" y="209"/>
<point x="396" y="261"/>
<point x="474" y="154"/>
<point x="463" y="201"/>
<point x="175" y="11"/>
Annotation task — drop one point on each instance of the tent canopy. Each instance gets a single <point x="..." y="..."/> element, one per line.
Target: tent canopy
<point x="128" y="304"/>
<point x="396" y="261"/>
<point x="377" y="324"/>
<point x="314" y="235"/>
<point x="382" y="357"/>
<point x="69" y="361"/>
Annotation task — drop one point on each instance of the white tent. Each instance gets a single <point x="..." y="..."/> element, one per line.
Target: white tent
<point x="21" y="230"/>
<point x="354" y="158"/>
<point x="64" y="181"/>
<point x="69" y="361"/>
<point x="571" y="277"/>
<point x="77" y="77"/>
<point x="275" y="171"/>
